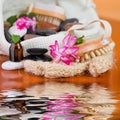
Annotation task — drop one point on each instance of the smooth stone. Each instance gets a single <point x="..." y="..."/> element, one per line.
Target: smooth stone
<point x="33" y="118"/>
<point x="43" y="58"/>
<point x="30" y="57"/>
<point x="37" y="102"/>
<point x="42" y="111"/>
<point x="30" y="31"/>
<point x="45" y="25"/>
<point x="37" y="51"/>
<point x="69" y="25"/>
<point x="29" y="36"/>
<point x="7" y="36"/>
<point x="45" y="32"/>
<point x="7" y="25"/>
<point x="36" y="108"/>
<point x="8" y="65"/>
<point x="14" y="30"/>
<point x="68" y="21"/>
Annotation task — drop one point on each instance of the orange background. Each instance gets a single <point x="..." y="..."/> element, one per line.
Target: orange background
<point x="110" y="10"/>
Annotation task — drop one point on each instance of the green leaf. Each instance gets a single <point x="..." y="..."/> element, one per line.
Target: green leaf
<point x="3" y="117"/>
<point x="12" y="19"/>
<point x="89" y="115"/>
<point x="80" y="40"/>
<point x="21" y="15"/>
<point x="15" y="38"/>
<point x="75" y="112"/>
<point x="30" y="15"/>
<point x="81" y="118"/>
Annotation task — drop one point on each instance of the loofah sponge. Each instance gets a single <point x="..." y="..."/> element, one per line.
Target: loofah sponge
<point x="95" y="66"/>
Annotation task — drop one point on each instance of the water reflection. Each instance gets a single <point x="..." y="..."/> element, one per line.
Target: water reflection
<point x="57" y="101"/>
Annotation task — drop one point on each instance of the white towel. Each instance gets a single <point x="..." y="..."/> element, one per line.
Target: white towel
<point x="84" y="10"/>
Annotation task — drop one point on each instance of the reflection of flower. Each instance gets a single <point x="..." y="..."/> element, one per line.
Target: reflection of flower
<point x="66" y="52"/>
<point x="93" y="101"/>
<point x="26" y="22"/>
<point x="62" y="108"/>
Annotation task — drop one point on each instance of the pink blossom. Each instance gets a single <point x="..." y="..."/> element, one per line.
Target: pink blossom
<point x="26" y="22"/>
<point x="66" y="52"/>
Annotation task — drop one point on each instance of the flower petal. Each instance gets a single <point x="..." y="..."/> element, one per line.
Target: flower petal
<point x="72" y="41"/>
<point x="66" y="39"/>
<point x="66" y="60"/>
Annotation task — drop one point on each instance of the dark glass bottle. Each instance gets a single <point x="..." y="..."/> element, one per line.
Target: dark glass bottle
<point x="16" y="52"/>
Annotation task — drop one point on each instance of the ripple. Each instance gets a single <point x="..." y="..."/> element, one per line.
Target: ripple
<point x="59" y="101"/>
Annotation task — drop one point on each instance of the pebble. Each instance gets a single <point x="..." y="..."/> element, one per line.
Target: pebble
<point x="68" y="22"/>
<point x="7" y="24"/>
<point x="14" y="30"/>
<point x="7" y="36"/>
<point x="39" y="57"/>
<point x="69" y="25"/>
<point x="36" y="108"/>
<point x="34" y="118"/>
<point x="29" y="36"/>
<point x="44" y="58"/>
<point x="45" y="32"/>
<point x="37" y="51"/>
<point x="45" y="25"/>
<point x="30" y="31"/>
<point x="31" y="57"/>
<point x="8" y="65"/>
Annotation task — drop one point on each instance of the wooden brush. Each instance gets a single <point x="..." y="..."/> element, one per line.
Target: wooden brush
<point x="48" y="13"/>
<point x="94" y="53"/>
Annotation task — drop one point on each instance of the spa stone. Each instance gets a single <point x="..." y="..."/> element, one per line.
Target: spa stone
<point x="37" y="51"/>
<point x="8" y="65"/>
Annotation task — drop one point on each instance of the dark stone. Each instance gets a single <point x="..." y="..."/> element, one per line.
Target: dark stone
<point x="46" y="32"/>
<point x="30" y="31"/>
<point x="7" y="25"/>
<point x="30" y="57"/>
<point x="39" y="57"/>
<point x="29" y="36"/>
<point x="7" y="36"/>
<point x="37" y="102"/>
<point x="37" y="51"/>
<point x="33" y="118"/>
<point x="9" y="105"/>
<point x="23" y="96"/>
<point x="68" y="21"/>
<point x="45" y="25"/>
<point x="33" y="108"/>
<point x="69" y="25"/>
<point x="44" y="58"/>
<point x="42" y="111"/>
<point x="44" y="98"/>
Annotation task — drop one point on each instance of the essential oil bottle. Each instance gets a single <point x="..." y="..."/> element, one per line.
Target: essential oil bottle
<point x="16" y="49"/>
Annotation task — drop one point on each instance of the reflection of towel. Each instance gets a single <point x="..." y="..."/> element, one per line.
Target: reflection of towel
<point x="95" y="99"/>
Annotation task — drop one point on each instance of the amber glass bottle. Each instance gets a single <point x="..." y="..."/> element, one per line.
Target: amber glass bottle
<point x="16" y="49"/>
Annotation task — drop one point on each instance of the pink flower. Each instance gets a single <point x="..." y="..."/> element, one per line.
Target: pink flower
<point x="66" y="52"/>
<point x="26" y="22"/>
<point x="59" y="53"/>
